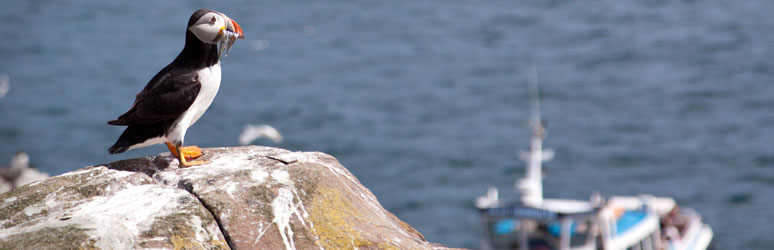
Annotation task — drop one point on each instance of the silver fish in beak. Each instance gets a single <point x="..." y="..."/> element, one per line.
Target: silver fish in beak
<point x="228" y="36"/>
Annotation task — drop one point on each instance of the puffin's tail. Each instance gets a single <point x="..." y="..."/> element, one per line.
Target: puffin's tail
<point x="135" y="135"/>
<point x="117" y="149"/>
<point x="118" y="122"/>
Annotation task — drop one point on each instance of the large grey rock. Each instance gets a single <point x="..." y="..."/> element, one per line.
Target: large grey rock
<point x="246" y="198"/>
<point x="103" y="208"/>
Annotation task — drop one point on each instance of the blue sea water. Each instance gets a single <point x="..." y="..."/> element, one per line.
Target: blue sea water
<point x="426" y="102"/>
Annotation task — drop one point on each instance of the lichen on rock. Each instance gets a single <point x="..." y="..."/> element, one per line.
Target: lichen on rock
<point x="246" y="198"/>
<point x="97" y="207"/>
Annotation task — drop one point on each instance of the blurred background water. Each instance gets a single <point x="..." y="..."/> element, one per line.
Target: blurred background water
<point x="426" y="102"/>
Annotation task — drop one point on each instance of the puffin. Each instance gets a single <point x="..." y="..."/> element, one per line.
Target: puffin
<point x="178" y="95"/>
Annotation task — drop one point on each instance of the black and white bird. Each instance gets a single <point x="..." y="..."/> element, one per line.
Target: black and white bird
<point x="177" y="96"/>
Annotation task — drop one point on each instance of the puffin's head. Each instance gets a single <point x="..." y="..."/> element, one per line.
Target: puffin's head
<point x="214" y="27"/>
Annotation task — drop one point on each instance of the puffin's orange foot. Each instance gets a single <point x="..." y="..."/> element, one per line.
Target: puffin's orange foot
<point x="191" y="152"/>
<point x="185" y="164"/>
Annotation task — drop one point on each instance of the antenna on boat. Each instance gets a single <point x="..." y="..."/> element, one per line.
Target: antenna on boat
<point x="534" y="103"/>
<point x="531" y="186"/>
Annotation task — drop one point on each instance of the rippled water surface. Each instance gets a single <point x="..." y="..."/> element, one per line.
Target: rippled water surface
<point x="426" y="102"/>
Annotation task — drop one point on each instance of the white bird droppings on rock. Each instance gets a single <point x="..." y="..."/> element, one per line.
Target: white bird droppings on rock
<point x="281" y="176"/>
<point x="9" y="200"/>
<point x="231" y="188"/>
<point x="108" y="214"/>
<point x="32" y="210"/>
<point x="259" y="176"/>
<point x="283" y="209"/>
<point x="313" y="200"/>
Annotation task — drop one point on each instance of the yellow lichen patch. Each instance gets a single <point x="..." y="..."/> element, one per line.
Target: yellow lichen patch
<point x="220" y="244"/>
<point x="388" y="246"/>
<point x="181" y="243"/>
<point x="331" y="215"/>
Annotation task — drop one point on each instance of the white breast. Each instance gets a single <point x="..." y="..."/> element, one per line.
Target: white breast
<point x="210" y="80"/>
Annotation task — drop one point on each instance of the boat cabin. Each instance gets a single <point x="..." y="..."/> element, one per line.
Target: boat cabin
<point x="560" y="224"/>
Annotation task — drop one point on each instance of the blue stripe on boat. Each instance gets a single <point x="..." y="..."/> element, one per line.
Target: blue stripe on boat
<point x="628" y="220"/>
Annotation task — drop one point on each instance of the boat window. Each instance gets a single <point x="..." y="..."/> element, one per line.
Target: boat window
<point x="511" y="233"/>
<point x="580" y="234"/>
<point x="579" y="231"/>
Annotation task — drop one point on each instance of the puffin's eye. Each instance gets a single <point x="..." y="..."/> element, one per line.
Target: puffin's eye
<point x="212" y="20"/>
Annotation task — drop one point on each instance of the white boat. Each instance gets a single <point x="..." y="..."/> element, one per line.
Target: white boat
<point x="531" y="222"/>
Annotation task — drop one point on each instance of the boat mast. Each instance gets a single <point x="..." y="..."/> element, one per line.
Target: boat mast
<point x="531" y="186"/>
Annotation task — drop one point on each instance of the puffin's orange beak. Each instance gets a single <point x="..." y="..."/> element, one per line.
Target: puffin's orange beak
<point x="237" y="29"/>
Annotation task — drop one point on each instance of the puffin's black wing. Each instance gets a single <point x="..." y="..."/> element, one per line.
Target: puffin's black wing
<point x="165" y="98"/>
